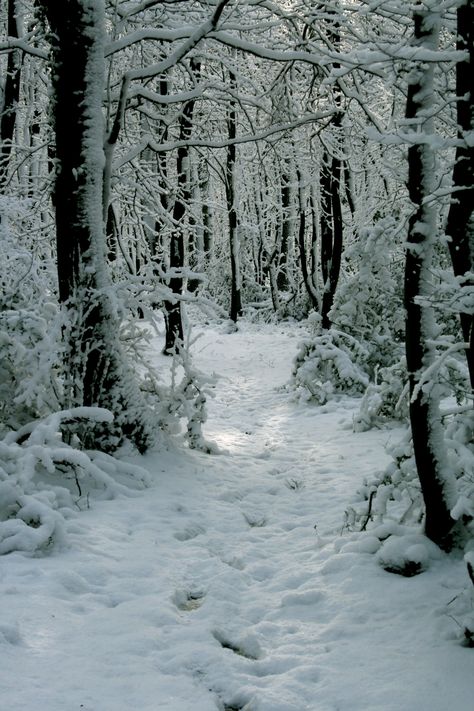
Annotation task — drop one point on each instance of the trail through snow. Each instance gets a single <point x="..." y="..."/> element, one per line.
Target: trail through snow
<point x="229" y="584"/>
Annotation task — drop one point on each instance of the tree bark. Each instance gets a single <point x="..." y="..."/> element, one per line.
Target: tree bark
<point x="307" y="275"/>
<point x="173" y="308"/>
<point x="331" y="233"/>
<point x="235" y="294"/>
<point x="427" y="432"/>
<point x="331" y="188"/>
<point x="95" y="367"/>
<point x="285" y="230"/>
<point x="11" y="95"/>
<point x="460" y="223"/>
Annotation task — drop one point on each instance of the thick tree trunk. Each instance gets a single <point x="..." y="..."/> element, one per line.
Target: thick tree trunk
<point x="11" y="95"/>
<point x="96" y="371"/>
<point x="428" y="437"/>
<point x="460" y="223"/>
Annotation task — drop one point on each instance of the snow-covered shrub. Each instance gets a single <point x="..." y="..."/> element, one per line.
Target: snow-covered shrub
<point x="29" y="385"/>
<point x="460" y="444"/>
<point x="384" y="400"/>
<point x="387" y="397"/>
<point x="42" y="479"/>
<point x="182" y="400"/>
<point x="395" y="494"/>
<point x="187" y="400"/>
<point x="329" y="364"/>
<point x="369" y="300"/>
<point x="29" y="327"/>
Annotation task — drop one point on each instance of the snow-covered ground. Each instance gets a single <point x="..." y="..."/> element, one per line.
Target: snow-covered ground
<point x="230" y="583"/>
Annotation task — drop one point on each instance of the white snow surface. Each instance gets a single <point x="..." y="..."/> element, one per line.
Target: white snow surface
<point x="230" y="583"/>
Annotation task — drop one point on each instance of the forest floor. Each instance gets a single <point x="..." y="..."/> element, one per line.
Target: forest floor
<point x="231" y="582"/>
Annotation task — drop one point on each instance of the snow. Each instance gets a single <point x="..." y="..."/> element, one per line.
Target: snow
<point x="230" y="583"/>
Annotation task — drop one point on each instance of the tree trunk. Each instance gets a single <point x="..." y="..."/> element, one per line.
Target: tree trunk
<point x="285" y="229"/>
<point x="172" y="308"/>
<point x="331" y="233"/>
<point x="428" y="437"/>
<point x="11" y="95"/>
<point x="331" y="188"/>
<point x="96" y="370"/>
<point x="235" y="294"/>
<point x="460" y="223"/>
<point x="307" y="276"/>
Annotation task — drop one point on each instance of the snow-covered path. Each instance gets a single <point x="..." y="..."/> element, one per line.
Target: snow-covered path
<point x="228" y="585"/>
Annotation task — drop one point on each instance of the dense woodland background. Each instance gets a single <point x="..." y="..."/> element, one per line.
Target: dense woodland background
<point x="267" y="160"/>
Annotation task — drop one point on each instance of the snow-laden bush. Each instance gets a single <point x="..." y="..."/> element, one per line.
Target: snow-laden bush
<point x="29" y="383"/>
<point x="29" y="328"/>
<point x="180" y="401"/>
<point x="185" y="399"/>
<point x="384" y="400"/>
<point x="395" y="494"/>
<point x="43" y="479"/>
<point x="369" y="300"/>
<point x="329" y="364"/>
<point x="387" y="397"/>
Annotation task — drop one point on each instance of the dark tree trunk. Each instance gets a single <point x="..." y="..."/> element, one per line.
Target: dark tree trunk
<point x="172" y="308"/>
<point x="331" y="232"/>
<point x="11" y="95"/>
<point x="307" y="276"/>
<point x="331" y="189"/>
<point x="155" y="233"/>
<point x="428" y="438"/>
<point x="282" y="267"/>
<point x="111" y="231"/>
<point x="460" y="223"/>
<point x="235" y="289"/>
<point x="95" y="367"/>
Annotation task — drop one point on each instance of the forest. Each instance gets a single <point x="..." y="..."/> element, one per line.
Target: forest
<point x="237" y="286"/>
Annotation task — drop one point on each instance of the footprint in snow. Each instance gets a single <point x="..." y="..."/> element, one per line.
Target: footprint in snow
<point x="188" y="600"/>
<point x="235" y="707"/>
<point x="10" y="634"/>
<point x="246" y="646"/>
<point x="255" y="520"/>
<point x="190" y="532"/>
<point x="307" y="597"/>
